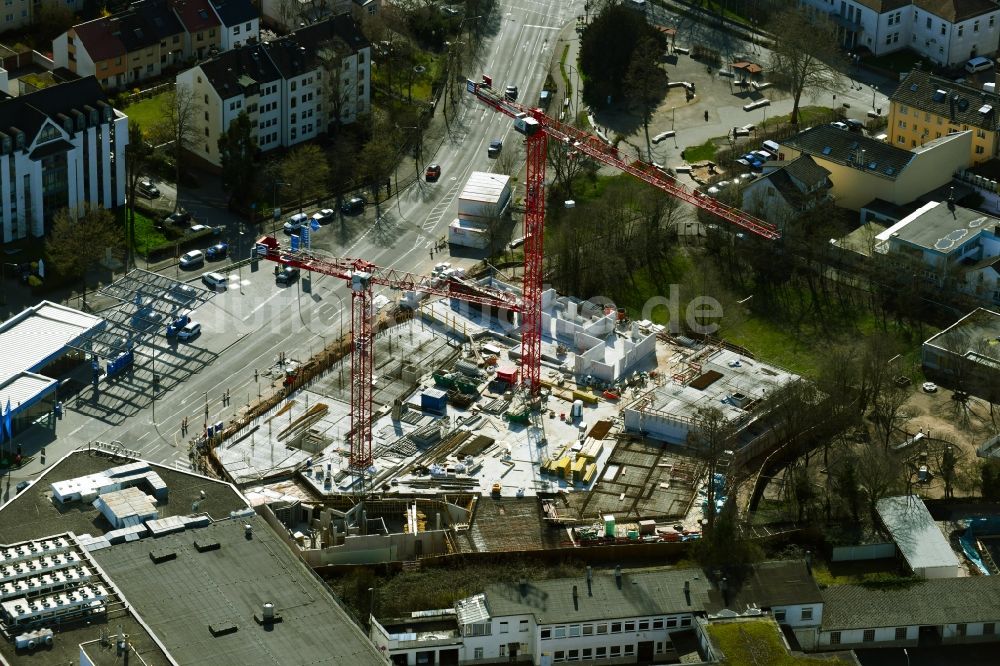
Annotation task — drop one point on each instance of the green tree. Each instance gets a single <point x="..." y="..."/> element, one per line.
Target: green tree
<point x="137" y="155"/>
<point x="806" y="57"/>
<point x="77" y="244"/>
<point x="646" y="83"/>
<point x="378" y="159"/>
<point x="305" y="172"/>
<point x="606" y="48"/>
<point x="237" y="150"/>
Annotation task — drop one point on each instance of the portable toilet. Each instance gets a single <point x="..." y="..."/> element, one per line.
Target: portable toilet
<point x="434" y="400"/>
<point x="577" y="409"/>
<point x="609" y="526"/>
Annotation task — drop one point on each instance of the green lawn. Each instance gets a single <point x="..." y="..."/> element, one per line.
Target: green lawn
<point x="562" y="70"/>
<point x="755" y="642"/>
<point x="146" y="113"/>
<point x="808" y="116"/>
<point x="705" y="151"/>
<point x="147" y="236"/>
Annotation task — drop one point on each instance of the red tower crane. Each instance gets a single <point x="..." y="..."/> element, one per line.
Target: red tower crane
<point x="362" y="275"/>
<point x="537" y="127"/>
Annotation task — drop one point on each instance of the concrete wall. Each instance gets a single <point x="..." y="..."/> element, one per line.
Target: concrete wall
<point x="378" y="548"/>
<point x="868" y="551"/>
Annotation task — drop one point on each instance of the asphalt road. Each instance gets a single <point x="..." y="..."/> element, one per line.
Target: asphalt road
<point x="248" y="325"/>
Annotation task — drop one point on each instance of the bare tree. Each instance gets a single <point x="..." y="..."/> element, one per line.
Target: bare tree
<point x="305" y="172"/>
<point x="508" y="162"/>
<point x="807" y="55"/>
<point x="78" y="244"/>
<point x="711" y="438"/>
<point x="887" y="412"/>
<point x="180" y="109"/>
<point x="878" y="474"/>
<point x="137" y="155"/>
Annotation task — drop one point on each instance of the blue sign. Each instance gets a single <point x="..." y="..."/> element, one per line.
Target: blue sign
<point x="470" y="86"/>
<point x="305" y="234"/>
<point x="313" y="224"/>
<point x="261" y="250"/>
<point x="121" y="362"/>
<point x="295" y="243"/>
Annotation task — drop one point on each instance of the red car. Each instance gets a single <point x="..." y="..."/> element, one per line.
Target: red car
<point x="433" y="172"/>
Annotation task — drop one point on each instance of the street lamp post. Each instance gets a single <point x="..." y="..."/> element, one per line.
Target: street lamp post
<point x="576" y="89"/>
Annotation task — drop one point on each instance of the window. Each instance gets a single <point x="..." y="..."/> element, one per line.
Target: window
<point x="587" y="653"/>
<point x="559" y="655"/>
<point x="616" y="627"/>
<point x="560" y="632"/>
<point x="503" y="651"/>
<point x="902" y="124"/>
<point x="574" y="631"/>
<point x="249" y="28"/>
<point x="630" y="626"/>
<point x="989" y="628"/>
<point x="975" y="26"/>
<point x="601" y="652"/>
<point x="629" y="650"/>
<point x="979" y="150"/>
<point x="477" y="653"/>
<point x="149" y="68"/>
<point x="292" y="87"/>
<point x="888" y="39"/>
<point x="573" y="655"/>
<point x="900" y="633"/>
<point x="992" y="21"/>
<point x="869" y="636"/>
<point x="961" y="629"/>
<point x="685" y="622"/>
<point x="206" y="131"/>
<point x="616" y="650"/>
<point x="961" y="29"/>
<point x="807" y="613"/>
<point x="522" y="625"/>
<point x="236" y="30"/>
<point x="944" y="30"/>
<point x="588" y="630"/>
<point x="779" y="616"/>
<point x="928" y="22"/>
<point x="658" y="623"/>
<point x="601" y="628"/>
<point x="643" y="625"/>
<point x="546" y="634"/>
<point x="503" y="628"/>
<point x="903" y="109"/>
<point x="834" y="638"/>
<point x="671" y="622"/>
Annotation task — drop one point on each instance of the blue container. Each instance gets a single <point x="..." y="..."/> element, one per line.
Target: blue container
<point x="434" y="400"/>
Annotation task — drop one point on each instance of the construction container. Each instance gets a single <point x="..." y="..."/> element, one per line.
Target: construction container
<point x="507" y="374"/>
<point x="434" y="400"/>
<point x="485" y="197"/>
<point x="590" y="473"/>
<point x="468" y="234"/>
<point x="579" y="467"/>
<point x="609" y="526"/>
<point x="647" y="527"/>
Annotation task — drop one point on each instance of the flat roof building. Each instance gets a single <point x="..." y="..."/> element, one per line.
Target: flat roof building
<point x="966" y="355"/>
<point x="920" y="542"/>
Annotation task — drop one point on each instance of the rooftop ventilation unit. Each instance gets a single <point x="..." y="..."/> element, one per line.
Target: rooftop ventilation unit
<point x="939" y="95"/>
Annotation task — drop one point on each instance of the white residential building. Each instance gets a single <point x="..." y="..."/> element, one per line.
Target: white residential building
<point x="293" y="89"/>
<point x="240" y="23"/>
<point x="946" y="33"/>
<point x="607" y="617"/>
<point x="60" y="147"/>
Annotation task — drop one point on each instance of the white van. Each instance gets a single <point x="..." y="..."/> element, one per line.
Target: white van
<point x="214" y="281"/>
<point x="295" y="222"/>
<point x="978" y="64"/>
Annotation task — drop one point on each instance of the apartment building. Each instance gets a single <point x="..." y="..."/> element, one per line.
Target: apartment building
<point x="287" y="14"/>
<point x="293" y="88"/>
<point x="863" y="169"/>
<point x="946" y="32"/>
<point x="151" y="36"/>
<point x="789" y="190"/>
<point x="60" y="147"/>
<point x="926" y="107"/>
<point x="22" y="13"/>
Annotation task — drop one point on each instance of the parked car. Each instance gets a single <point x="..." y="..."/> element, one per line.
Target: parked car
<point x="433" y="172"/>
<point x="353" y="206"/>
<point x="496" y="145"/>
<point x="197" y="228"/>
<point x="294" y="223"/>
<point x="214" y="280"/>
<point x="22" y="485"/>
<point x="192" y="259"/>
<point x="147" y="188"/>
<point x="191" y="330"/>
<point x="978" y="64"/>
<point x="183" y="293"/>
<point x="324" y="216"/>
<point x="510" y="92"/>
<point x="217" y="251"/>
<point x="179" y="218"/>
<point x="174" y="327"/>
<point x="287" y="275"/>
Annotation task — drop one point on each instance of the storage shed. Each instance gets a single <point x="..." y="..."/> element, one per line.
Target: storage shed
<point x="918" y="538"/>
<point x="434" y="400"/>
<point x="485" y="196"/>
